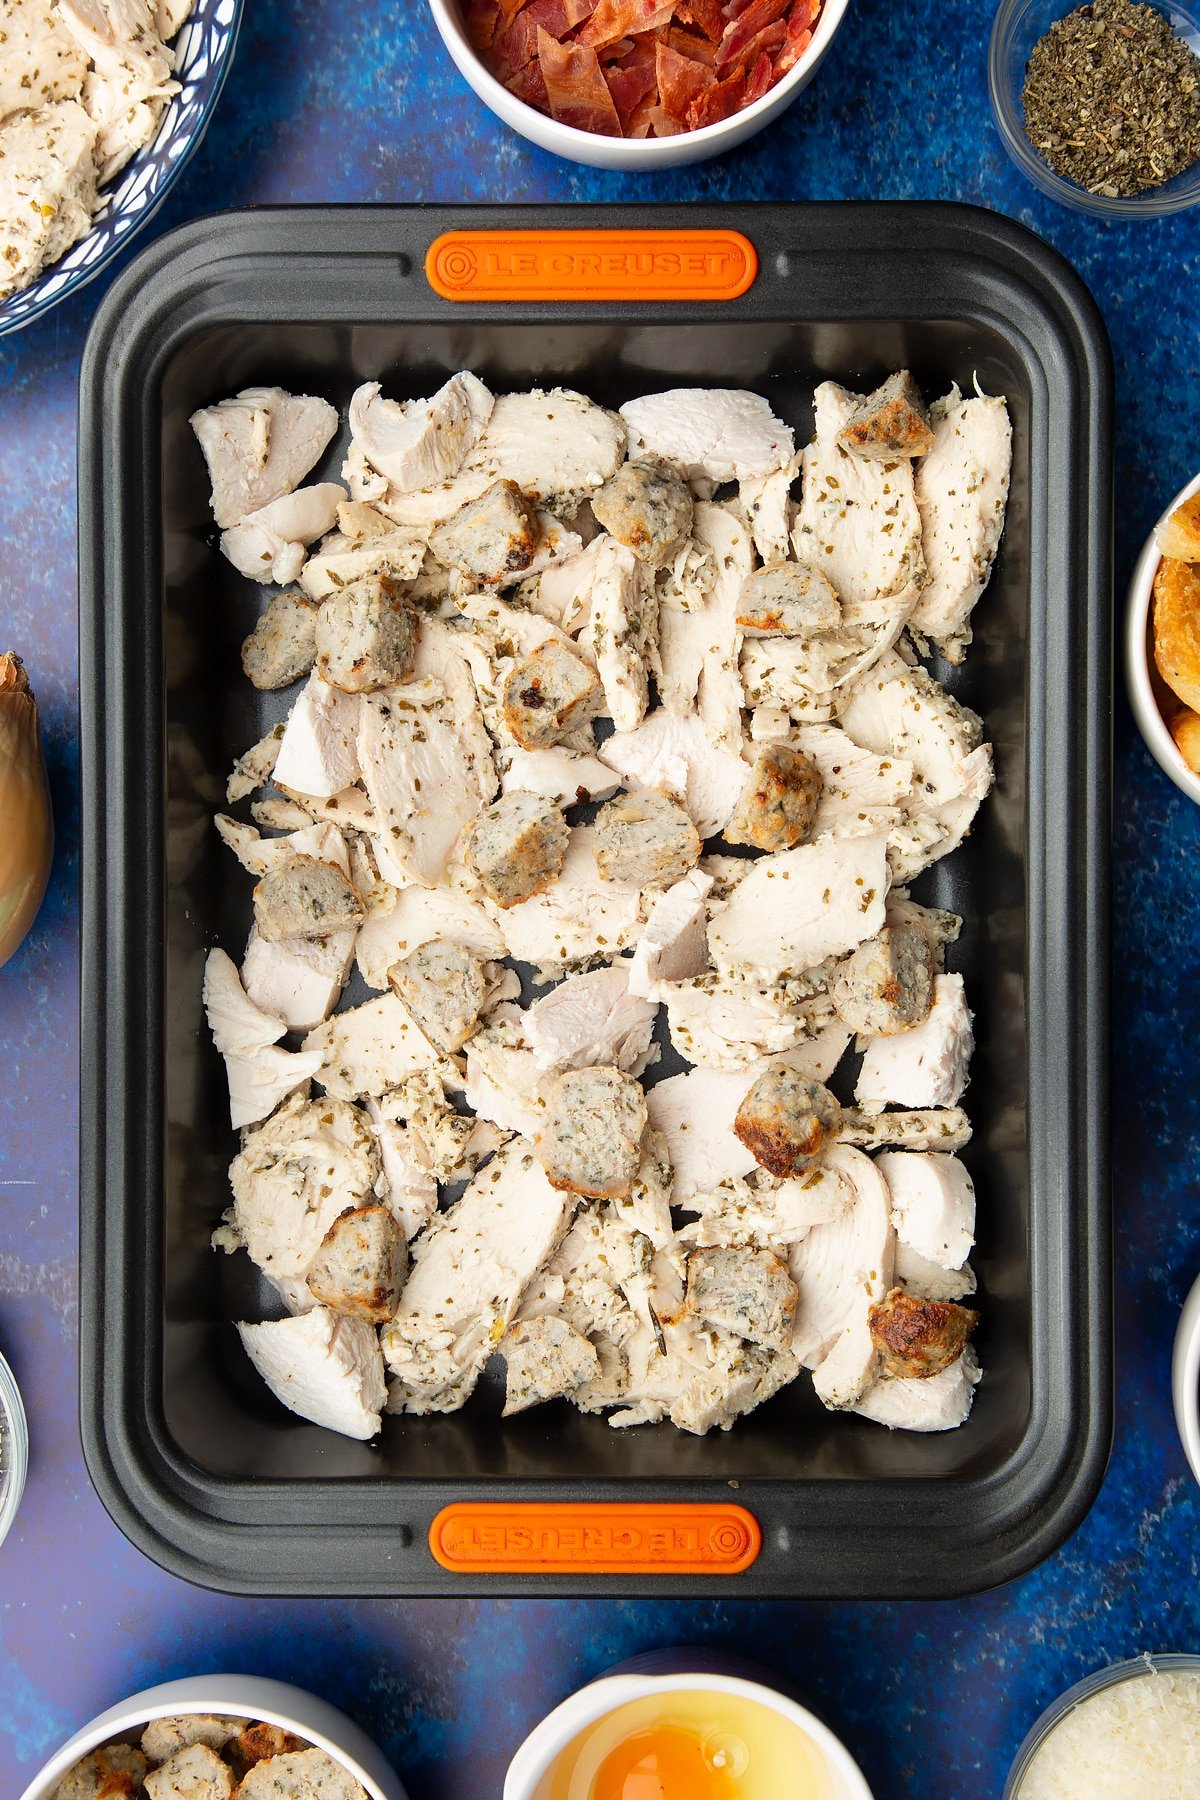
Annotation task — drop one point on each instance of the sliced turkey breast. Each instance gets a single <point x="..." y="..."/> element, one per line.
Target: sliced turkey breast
<point x="710" y="434"/>
<point x="592" y="1018"/>
<point x="294" y="1176"/>
<point x="419" y="916"/>
<point x="675" y="752"/>
<point x="940" y="1403"/>
<point x="673" y="946"/>
<point x="427" y="767"/>
<point x="324" y="1367"/>
<point x="259" y="446"/>
<point x="962" y="491"/>
<point x="797" y="907"/>
<point x="933" y="1205"/>
<point x="371" y="1048"/>
<point x="927" y="1065"/>
<point x="420" y="443"/>
<point x="269" y="544"/>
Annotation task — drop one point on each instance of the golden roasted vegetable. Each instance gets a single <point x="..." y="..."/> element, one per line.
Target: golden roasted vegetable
<point x="26" y="821"/>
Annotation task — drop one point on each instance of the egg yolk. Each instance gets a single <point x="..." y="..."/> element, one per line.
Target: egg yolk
<point x="663" y="1763"/>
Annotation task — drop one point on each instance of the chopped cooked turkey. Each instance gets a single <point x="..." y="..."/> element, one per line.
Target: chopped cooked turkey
<point x="549" y="695"/>
<point x="718" y="688"/>
<point x="259" y="446"/>
<point x="861" y="791"/>
<point x="890" y="423"/>
<point x="962" y="492"/>
<point x="919" y="1275"/>
<point x="797" y="907"/>
<point x="324" y="1367"/>
<point x="254" y="767"/>
<point x="645" y="839"/>
<point x="319" y="751"/>
<point x="701" y="1396"/>
<point x="557" y="447"/>
<point x="366" y="636"/>
<point x="418" y="916"/>
<point x="341" y="558"/>
<point x="296" y="1174"/>
<point x="918" y="1337"/>
<point x="409" y="1191"/>
<point x="724" y="1024"/>
<point x="797" y="676"/>
<point x="858" y="520"/>
<point x="261" y="854"/>
<point x="119" y="36"/>
<point x="841" y="1264"/>
<point x="416" y="444"/>
<point x="492" y="539"/>
<point x="886" y="985"/>
<point x="591" y="1136"/>
<point x="787" y="599"/>
<point x="673" y="946"/>
<point x="371" y="1048"/>
<point x="940" y="1403"/>
<point x="283" y="645"/>
<point x="933" y="1205"/>
<point x="443" y="986"/>
<point x="619" y="619"/>
<point x="360" y="1264"/>
<point x="766" y="502"/>
<point x="710" y="434"/>
<point x="580" y="919"/>
<point x="646" y="507"/>
<point x="546" y="1359"/>
<point x="302" y="897"/>
<point x="674" y="752"/>
<point x="926" y="1065"/>
<point x="770" y="1212"/>
<point x="592" y="1018"/>
<point x="269" y="544"/>
<point x="260" y="1074"/>
<point x="301" y="982"/>
<point x="779" y="801"/>
<point x="469" y="1271"/>
<point x="194" y="1773"/>
<point x="517" y="847"/>
<point x="504" y="1081"/>
<point x="567" y="777"/>
<point x="42" y="62"/>
<point x="787" y="1122"/>
<point x="941" y="1128"/>
<point x="427" y="767"/>
<point x="47" y="188"/>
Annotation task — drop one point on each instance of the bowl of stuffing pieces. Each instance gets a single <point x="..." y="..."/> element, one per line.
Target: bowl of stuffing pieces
<point x="638" y="84"/>
<point x="1162" y="642"/>
<point x="102" y="102"/>
<point x="213" y="1736"/>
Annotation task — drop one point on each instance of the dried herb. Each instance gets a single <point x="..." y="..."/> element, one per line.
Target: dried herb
<point x="1112" y="99"/>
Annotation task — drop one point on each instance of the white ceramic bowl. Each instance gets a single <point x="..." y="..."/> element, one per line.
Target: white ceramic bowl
<point x="633" y="153"/>
<point x="542" y="1748"/>
<point x="236" y="1696"/>
<point x="1146" y="690"/>
<point x="1185" y="1378"/>
<point x="14" y="1449"/>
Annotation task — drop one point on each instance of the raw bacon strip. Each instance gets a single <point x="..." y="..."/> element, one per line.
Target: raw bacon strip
<point x="761" y="77"/>
<point x="717" y="102"/>
<point x="801" y="19"/>
<point x="529" y="85"/>
<point x="576" y="88"/>
<point x="741" y="32"/>
<point x="705" y="15"/>
<point x="681" y="82"/>
<point x="481" y="21"/>
<point x="614" y="19"/>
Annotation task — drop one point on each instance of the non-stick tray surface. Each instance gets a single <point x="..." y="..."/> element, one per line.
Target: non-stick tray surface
<point x="191" y="1455"/>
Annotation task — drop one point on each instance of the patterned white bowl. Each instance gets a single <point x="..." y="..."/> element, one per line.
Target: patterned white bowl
<point x="203" y="51"/>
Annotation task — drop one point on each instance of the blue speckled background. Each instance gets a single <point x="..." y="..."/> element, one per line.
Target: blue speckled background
<point x="334" y="103"/>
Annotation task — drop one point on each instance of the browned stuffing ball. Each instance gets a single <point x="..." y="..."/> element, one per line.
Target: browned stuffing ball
<point x="305" y="898"/>
<point x="886" y="985"/>
<point x="492" y="538"/>
<point x="786" y="1121"/>
<point x="779" y="801"/>
<point x="283" y="645"/>
<point x="442" y="986"/>
<point x="260" y="1741"/>
<point x="517" y="846"/>
<point x="647" y="507"/>
<point x="114" y="1773"/>
<point x="367" y="636"/>
<point x="550" y="694"/>
<point x="891" y="422"/>
<point x="360" y="1267"/>
<point x="917" y="1338"/>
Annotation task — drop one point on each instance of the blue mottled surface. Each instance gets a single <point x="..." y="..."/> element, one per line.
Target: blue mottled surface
<point x="333" y="103"/>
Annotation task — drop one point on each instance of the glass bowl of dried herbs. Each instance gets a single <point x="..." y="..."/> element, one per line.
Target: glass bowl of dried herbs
<point x="1099" y="104"/>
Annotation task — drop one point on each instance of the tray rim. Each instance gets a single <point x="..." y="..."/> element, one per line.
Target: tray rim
<point x="161" y="1502"/>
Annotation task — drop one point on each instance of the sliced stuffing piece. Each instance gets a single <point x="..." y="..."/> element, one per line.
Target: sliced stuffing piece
<point x="296" y="1174"/>
<point x="360" y="1265"/>
<point x="261" y="1740"/>
<point x="787" y="1122"/>
<point x="372" y="1048"/>
<point x="196" y="1773"/>
<point x="778" y="805"/>
<point x="492" y="539"/>
<point x="645" y="840"/>
<point x="646" y="507"/>
<point x="886" y="985"/>
<point x="711" y="435"/>
<point x="470" y="1269"/>
<point x="417" y="443"/>
<point x="590" y="1141"/>
<point x="744" y="1291"/>
<point x="366" y="636"/>
<point x="581" y="919"/>
<point x="163" y="1737"/>
<point x="926" y="1065"/>
<point x="114" y="1773"/>
<point x="933" y="1204"/>
<point x="673" y="945"/>
<point x="546" y="1359"/>
<point x="283" y="645"/>
<point x="300" y="1775"/>
<point x="517" y="847"/>
<point x="304" y="898"/>
<point x="271" y="544"/>
<point x="326" y="1368"/>
<point x="428" y="770"/>
<point x="675" y="752"/>
<point x="962" y="492"/>
<point x="890" y="423"/>
<point x="259" y="446"/>
<point x="549" y="695"/>
<point x="941" y="1403"/>
<point x="796" y="907"/>
<point x="787" y="599"/>
<point x="916" y="1337"/>
<point x="443" y="987"/>
<point x="592" y="1018"/>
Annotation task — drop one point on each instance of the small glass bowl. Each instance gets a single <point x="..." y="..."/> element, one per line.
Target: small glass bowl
<point x="14" y="1449"/>
<point x="1017" y="28"/>
<point x="1136" y="1668"/>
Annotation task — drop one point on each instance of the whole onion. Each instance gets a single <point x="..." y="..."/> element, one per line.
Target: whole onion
<point x="26" y="820"/>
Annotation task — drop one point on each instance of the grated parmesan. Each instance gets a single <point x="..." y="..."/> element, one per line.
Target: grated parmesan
<point x="1141" y="1736"/>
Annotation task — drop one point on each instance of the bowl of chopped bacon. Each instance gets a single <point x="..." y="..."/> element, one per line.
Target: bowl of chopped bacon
<point x="638" y="84"/>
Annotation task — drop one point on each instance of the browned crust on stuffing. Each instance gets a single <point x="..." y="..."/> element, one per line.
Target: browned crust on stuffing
<point x="917" y="1338"/>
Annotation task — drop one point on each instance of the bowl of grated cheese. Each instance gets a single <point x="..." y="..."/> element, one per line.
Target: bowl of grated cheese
<point x="1131" y="1729"/>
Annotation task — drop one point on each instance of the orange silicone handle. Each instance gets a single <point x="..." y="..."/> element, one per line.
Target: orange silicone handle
<point x="492" y="1538"/>
<point x="591" y="265"/>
